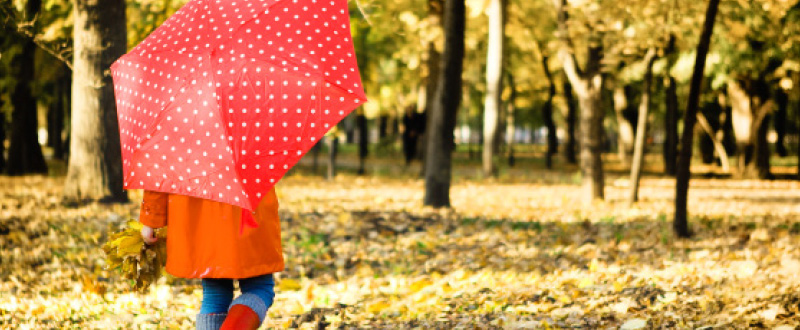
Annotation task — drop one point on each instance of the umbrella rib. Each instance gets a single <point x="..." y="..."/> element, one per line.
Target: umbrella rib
<point x="229" y="143"/>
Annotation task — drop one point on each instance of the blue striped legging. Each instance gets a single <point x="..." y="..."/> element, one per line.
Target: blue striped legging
<point x="218" y="292"/>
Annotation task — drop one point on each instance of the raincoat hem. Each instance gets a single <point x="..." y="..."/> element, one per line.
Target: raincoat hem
<point x="226" y="272"/>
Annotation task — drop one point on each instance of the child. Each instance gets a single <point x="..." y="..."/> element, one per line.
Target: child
<point x="205" y="241"/>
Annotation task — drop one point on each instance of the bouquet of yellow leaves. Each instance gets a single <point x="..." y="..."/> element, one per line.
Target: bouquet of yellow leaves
<point x="127" y="253"/>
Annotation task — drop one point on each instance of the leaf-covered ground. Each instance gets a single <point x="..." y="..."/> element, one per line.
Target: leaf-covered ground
<point x="518" y="252"/>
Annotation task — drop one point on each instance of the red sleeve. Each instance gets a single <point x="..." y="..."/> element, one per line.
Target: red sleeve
<point x="153" y="212"/>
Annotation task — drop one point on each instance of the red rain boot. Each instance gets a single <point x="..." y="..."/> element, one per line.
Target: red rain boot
<point x="241" y="317"/>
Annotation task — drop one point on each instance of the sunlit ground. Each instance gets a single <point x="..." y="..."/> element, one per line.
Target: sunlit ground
<point x="515" y="252"/>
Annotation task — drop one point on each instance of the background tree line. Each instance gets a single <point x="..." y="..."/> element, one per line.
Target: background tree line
<point x="595" y="76"/>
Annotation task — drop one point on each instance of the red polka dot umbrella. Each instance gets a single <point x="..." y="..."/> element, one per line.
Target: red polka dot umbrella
<point x="227" y="95"/>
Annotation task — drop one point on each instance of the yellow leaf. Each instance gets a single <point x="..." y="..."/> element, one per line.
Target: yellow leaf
<point x="289" y="284"/>
<point x="310" y="292"/>
<point x="130" y="245"/>
<point x="345" y="218"/>
<point x="594" y="265"/>
<point x="38" y="310"/>
<point x="419" y="285"/>
<point x="297" y="308"/>
<point x="135" y="225"/>
<point x="377" y="307"/>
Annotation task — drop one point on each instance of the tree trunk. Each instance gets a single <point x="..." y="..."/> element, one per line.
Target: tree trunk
<point x="445" y="109"/>
<point x="625" y="136"/>
<point x="704" y="142"/>
<point x="68" y="114"/>
<point x="718" y="147"/>
<point x="315" y="154"/>
<point x="641" y="127"/>
<point x="383" y="126"/>
<point x="2" y="140"/>
<point x="797" y="112"/>
<point x="680" y="223"/>
<point x="24" y="152"/>
<point x="751" y="109"/>
<point x="363" y="141"/>
<point x="761" y="152"/>
<point x="671" y="128"/>
<point x="741" y="117"/>
<point x="589" y="87"/>
<point x="547" y="115"/>
<point x="592" y="142"/>
<point x="333" y="150"/>
<point x="435" y="11"/>
<point x="511" y="127"/>
<point x="571" y="122"/>
<point x="55" y="119"/>
<point x="95" y="163"/>
<point x="494" y="86"/>
<point x="671" y="115"/>
<point x="780" y="119"/>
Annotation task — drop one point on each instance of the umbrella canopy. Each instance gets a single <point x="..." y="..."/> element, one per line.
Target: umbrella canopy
<point x="222" y="99"/>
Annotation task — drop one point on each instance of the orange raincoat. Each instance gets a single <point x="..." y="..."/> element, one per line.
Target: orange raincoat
<point x="204" y="238"/>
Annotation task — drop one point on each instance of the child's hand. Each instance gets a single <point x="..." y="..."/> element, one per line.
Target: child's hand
<point x="148" y="235"/>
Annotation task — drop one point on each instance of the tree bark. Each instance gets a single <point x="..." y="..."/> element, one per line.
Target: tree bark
<point x="592" y="142"/>
<point x="780" y="119"/>
<point x="796" y="76"/>
<point x="2" y="140"/>
<point x="333" y="150"/>
<point x="315" y="156"/>
<point x="445" y="109"/>
<point x="24" y="152"/>
<point x="588" y="85"/>
<point x="547" y="115"/>
<point x="510" y="123"/>
<point x="751" y="111"/>
<point x="741" y="117"/>
<point x="671" y="115"/>
<point x="436" y="11"/>
<point x="95" y="163"/>
<point x="704" y="142"/>
<point x="680" y="223"/>
<point x="671" y="128"/>
<point x="363" y="141"/>
<point x="761" y="167"/>
<point x="641" y="127"/>
<point x="494" y="86"/>
<point x="55" y="118"/>
<point x="625" y="136"/>
<point x="383" y="126"/>
<point x="571" y="121"/>
<point x="718" y="147"/>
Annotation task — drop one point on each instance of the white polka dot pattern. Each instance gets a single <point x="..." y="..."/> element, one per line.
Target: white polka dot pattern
<point x="227" y="95"/>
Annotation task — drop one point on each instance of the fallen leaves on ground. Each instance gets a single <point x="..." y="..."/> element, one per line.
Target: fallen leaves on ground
<point x="363" y="252"/>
